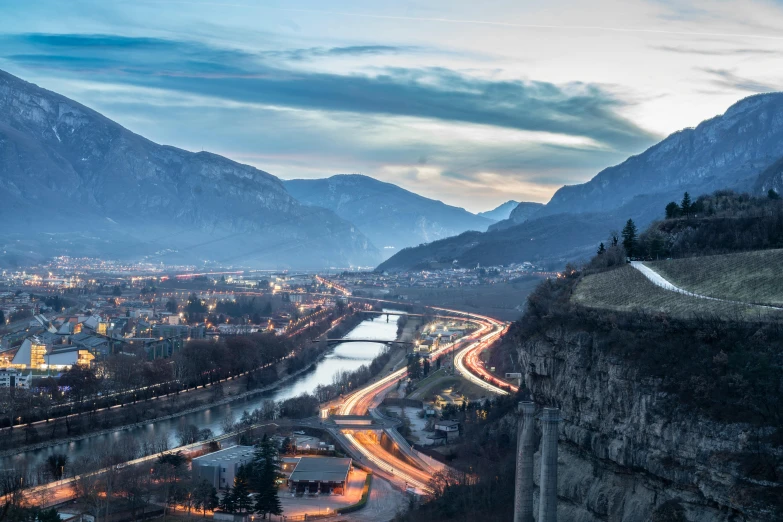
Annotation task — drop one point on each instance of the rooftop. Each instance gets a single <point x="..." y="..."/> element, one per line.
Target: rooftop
<point x="321" y="469"/>
<point x="229" y="454"/>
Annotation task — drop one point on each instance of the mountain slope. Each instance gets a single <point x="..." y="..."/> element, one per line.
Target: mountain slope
<point x="521" y="213"/>
<point x="725" y="152"/>
<point x="74" y="182"/>
<point x="389" y="215"/>
<point x="500" y="212"/>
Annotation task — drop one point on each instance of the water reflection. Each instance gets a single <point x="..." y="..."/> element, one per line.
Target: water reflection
<point x="344" y="357"/>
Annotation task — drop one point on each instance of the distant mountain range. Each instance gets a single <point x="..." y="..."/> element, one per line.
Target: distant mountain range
<point x="74" y="182"/>
<point x="521" y="213"/>
<point x="500" y="212"/>
<point x="739" y="150"/>
<point x="393" y="218"/>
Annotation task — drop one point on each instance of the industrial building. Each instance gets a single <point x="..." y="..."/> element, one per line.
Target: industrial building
<point x="323" y="475"/>
<point x="220" y="468"/>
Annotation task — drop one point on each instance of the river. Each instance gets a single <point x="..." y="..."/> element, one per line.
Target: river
<point x="344" y="357"/>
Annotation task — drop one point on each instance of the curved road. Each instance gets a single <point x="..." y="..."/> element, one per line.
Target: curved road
<point x="658" y="280"/>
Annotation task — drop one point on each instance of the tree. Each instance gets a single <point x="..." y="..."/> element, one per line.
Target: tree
<point x="265" y="472"/>
<point x="629" y="237"/>
<point x="771" y="194"/>
<point x="116" y="291"/>
<point x="48" y="515"/>
<point x="614" y="238"/>
<point x="2" y="318"/>
<point x="56" y="465"/>
<point x="686" y="205"/>
<point x="241" y="492"/>
<point x="195" y="305"/>
<point x="227" y="503"/>
<point x="426" y="367"/>
<point x="414" y="366"/>
<point x="672" y="210"/>
<point x="205" y="497"/>
<point x="601" y="249"/>
<point x="172" y="306"/>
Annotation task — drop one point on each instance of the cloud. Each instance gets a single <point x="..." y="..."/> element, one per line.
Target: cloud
<point x="728" y="80"/>
<point x="715" y="52"/>
<point x="574" y="109"/>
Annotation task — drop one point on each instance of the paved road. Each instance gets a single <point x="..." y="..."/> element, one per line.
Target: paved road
<point x="658" y="280"/>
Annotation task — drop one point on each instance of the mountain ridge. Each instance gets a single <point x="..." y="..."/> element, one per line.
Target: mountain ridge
<point x="728" y="151"/>
<point x="388" y="214"/>
<point x="76" y="182"/>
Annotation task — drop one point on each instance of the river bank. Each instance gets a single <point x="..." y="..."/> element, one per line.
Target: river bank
<point x="210" y="415"/>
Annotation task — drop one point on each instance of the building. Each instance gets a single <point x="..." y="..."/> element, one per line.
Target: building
<point x="320" y="475"/>
<point x="220" y="468"/>
<point x="448" y="428"/>
<point x="11" y="378"/>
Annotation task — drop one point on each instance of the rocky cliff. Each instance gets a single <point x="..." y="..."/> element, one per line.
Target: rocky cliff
<point x="630" y="450"/>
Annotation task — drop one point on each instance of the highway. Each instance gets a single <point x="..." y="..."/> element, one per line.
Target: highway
<point x="365" y="400"/>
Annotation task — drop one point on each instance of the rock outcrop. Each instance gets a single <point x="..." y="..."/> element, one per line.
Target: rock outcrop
<point x="629" y="453"/>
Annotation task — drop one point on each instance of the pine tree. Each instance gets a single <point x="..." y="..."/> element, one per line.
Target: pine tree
<point x="265" y="472"/>
<point x="601" y="249"/>
<point x="614" y="239"/>
<point x="242" y="500"/>
<point x="228" y="502"/>
<point x="629" y="238"/>
<point x="672" y="210"/>
<point x="206" y="497"/>
<point x="686" y="205"/>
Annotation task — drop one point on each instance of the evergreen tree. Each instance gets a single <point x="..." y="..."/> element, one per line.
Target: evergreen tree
<point x="242" y="500"/>
<point x="629" y="237"/>
<point x="601" y="249"/>
<point x="672" y="210"/>
<point x="265" y="472"/>
<point x="2" y="318"/>
<point x="228" y="502"/>
<point x="426" y="367"/>
<point x="686" y="204"/>
<point x="614" y="238"/>
<point x="205" y="497"/>
<point x="414" y="366"/>
<point x="771" y="194"/>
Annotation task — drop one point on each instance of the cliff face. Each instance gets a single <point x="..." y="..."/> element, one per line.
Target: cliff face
<point x="628" y="453"/>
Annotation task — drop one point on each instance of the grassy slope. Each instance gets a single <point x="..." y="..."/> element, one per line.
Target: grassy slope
<point x="752" y="277"/>
<point x="626" y="289"/>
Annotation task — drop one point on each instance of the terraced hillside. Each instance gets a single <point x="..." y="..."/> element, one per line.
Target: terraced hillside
<point x="626" y="289"/>
<point x="751" y="277"/>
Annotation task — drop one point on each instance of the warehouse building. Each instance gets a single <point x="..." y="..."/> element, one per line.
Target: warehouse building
<point x="220" y="468"/>
<point x="325" y="475"/>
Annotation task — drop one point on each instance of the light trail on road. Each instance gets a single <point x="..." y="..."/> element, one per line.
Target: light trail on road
<point x="466" y="362"/>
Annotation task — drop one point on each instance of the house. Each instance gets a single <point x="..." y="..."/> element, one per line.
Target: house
<point x="448" y="428"/>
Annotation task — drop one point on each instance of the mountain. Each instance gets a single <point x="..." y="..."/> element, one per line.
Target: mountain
<point x="521" y="213"/>
<point x="74" y="182"/>
<point x="731" y="151"/>
<point x="500" y="212"/>
<point x="392" y="217"/>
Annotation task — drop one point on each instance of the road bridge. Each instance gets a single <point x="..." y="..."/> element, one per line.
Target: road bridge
<point x="338" y="341"/>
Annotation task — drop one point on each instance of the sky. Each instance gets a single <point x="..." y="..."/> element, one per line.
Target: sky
<point x="472" y="103"/>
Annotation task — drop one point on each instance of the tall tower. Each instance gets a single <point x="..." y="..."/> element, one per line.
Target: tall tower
<point x="523" y="493"/>
<point x="547" y="505"/>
